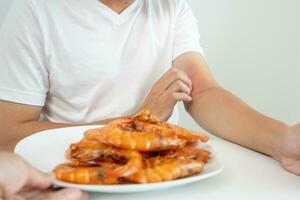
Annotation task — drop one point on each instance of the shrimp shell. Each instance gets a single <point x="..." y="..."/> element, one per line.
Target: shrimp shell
<point x="85" y="175"/>
<point x="190" y="136"/>
<point x="134" y="135"/>
<point x="92" y="153"/>
<point x="167" y="170"/>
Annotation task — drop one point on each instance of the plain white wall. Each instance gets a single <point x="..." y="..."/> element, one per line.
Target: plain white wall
<point x="253" y="49"/>
<point x="4" y="6"/>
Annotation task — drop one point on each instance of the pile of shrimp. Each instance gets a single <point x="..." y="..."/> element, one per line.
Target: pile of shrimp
<point x="139" y="149"/>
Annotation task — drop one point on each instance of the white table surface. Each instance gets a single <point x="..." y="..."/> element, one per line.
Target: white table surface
<point x="247" y="175"/>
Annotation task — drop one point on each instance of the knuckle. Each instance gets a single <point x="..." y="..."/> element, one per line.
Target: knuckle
<point x="173" y="69"/>
<point x="178" y="74"/>
<point x="178" y="84"/>
<point x="181" y="76"/>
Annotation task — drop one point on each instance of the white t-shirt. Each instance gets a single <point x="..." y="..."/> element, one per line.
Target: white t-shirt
<point x="83" y="62"/>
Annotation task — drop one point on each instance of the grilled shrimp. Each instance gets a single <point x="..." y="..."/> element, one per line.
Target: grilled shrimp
<point x="188" y="152"/>
<point x="136" y="135"/>
<point x="140" y="149"/>
<point x="166" y="170"/>
<point x="92" y="153"/>
<point x="190" y="136"/>
<point x="85" y="175"/>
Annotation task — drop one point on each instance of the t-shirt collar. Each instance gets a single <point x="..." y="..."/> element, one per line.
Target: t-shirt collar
<point x="111" y="14"/>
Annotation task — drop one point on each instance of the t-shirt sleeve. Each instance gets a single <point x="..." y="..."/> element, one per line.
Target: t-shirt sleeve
<point x="23" y="71"/>
<point x="187" y="37"/>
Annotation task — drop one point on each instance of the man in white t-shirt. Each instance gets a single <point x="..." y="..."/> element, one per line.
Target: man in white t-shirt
<point x="74" y="62"/>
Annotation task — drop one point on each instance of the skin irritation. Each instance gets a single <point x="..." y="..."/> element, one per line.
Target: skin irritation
<point x="117" y="5"/>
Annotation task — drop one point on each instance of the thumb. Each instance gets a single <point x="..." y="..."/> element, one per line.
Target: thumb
<point x="64" y="194"/>
<point x="38" y="179"/>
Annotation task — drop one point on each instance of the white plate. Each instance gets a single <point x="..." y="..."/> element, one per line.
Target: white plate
<point x="46" y="149"/>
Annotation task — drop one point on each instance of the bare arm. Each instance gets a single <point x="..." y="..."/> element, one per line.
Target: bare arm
<point x="18" y="121"/>
<point x="225" y="115"/>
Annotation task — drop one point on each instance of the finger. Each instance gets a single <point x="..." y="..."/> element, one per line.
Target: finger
<point x="167" y="73"/>
<point x="170" y="76"/>
<point x="176" y="75"/>
<point x="31" y="193"/>
<point x="20" y="176"/>
<point x="38" y="179"/>
<point x="292" y="166"/>
<point x="179" y="96"/>
<point x="15" y="176"/>
<point x="64" y="194"/>
<point x="179" y="86"/>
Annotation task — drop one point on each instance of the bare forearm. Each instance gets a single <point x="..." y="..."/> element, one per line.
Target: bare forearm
<point x="224" y="115"/>
<point x="15" y="133"/>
